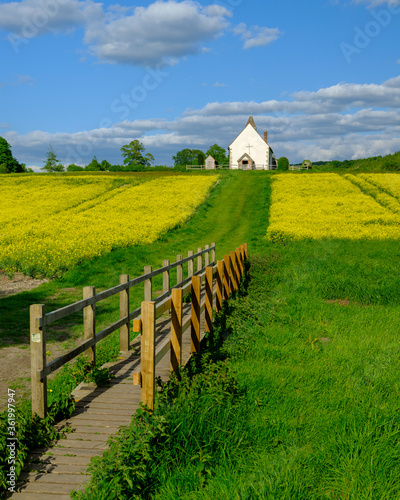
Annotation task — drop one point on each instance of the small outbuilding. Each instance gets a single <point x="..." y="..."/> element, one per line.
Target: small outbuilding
<point x="210" y="163"/>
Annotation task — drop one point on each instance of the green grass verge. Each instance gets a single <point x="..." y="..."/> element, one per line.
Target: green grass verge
<point x="305" y="403"/>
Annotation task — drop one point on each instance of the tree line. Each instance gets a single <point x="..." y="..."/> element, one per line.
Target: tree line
<point x="135" y="159"/>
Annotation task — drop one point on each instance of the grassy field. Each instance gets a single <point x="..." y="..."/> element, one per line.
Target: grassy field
<point x="295" y="396"/>
<point x="305" y="402"/>
<point x="300" y="401"/>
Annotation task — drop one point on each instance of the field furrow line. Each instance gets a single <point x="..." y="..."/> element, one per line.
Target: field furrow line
<point x="381" y="197"/>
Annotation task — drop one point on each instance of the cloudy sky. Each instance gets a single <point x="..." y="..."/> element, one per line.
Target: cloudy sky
<point x="322" y="76"/>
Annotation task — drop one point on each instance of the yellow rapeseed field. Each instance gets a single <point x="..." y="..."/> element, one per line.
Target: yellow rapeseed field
<point x="388" y="183"/>
<point x="313" y="206"/>
<point x="51" y="223"/>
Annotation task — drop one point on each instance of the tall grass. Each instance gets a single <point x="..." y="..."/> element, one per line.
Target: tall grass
<point x="301" y="399"/>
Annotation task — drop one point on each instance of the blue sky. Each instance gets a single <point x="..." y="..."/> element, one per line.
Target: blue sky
<point x="321" y="76"/>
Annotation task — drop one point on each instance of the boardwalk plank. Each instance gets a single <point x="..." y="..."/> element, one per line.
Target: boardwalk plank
<point x="72" y="479"/>
<point x="57" y="468"/>
<point x="37" y="459"/>
<point x="47" y="489"/>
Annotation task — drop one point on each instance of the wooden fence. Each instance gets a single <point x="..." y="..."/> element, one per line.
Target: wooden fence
<point x="203" y="167"/>
<point x="299" y="167"/>
<point x="219" y="281"/>
<point x="228" y="273"/>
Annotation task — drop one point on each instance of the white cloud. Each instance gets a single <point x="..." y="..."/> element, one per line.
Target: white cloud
<point x="256" y="36"/>
<point x="31" y="18"/>
<point x="20" y="80"/>
<point x="157" y="34"/>
<point x="374" y="3"/>
<point x="340" y="122"/>
<point x="337" y="98"/>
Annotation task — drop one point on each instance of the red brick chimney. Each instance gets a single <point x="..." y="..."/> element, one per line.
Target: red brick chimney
<point x="266" y="137"/>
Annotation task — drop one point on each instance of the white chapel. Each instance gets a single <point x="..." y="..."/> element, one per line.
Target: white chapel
<point x="249" y="151"/>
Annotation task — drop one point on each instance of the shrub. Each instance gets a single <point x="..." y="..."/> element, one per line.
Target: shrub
<point x="283" y="163"/>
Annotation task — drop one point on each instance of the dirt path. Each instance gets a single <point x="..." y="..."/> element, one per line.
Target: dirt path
<point x="15" y="360"/>
<point x="19" y="283"/>
<point x="15" y="370"/>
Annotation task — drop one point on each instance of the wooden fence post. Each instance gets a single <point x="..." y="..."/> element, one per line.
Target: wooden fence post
<point x="166" y="263"/>
<point x="232" y="259"/>
<point x="238" y="268"/>
<point x="209" y="299"/>
<point x="199" y="259"/>
<point x="89" y="324"/>
<point x="207" y="256"/>
<point x="241" y="264"/>
<point x="38" y="361"/>
<point x="176" y="329"/>
<point x="147" y="353"/>
<point x="148" y="285"/>
<point x="213" y="253"/>
<point x="179" y="270"/>
<point x="227" y="282"/>
<point x="245" y="251"/>
<point x="124" y="313"/>
<point x="220" y="290"/>
<point x="190" y="264"/>
<point x="195" y="314"/>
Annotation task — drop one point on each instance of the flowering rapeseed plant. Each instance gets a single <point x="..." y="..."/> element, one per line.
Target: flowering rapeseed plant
<point x="49" y="223"/>
<point x="311" y="206"/>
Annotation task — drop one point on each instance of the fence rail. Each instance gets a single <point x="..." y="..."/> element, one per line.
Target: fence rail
<point x="203" y="167"/>
<point x="299" y="167"/>
<point x="39" y="319"/>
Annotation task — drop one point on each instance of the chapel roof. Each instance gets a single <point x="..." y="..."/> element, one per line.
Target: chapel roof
<point x="252" y="123"/>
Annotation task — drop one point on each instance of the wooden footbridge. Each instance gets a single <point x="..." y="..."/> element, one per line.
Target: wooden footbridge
<point x="166" y="325"/>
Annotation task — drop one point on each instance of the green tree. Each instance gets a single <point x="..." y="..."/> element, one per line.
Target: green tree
<point x="105" y="165"/>
<point x="116" y="168"/>
<point x="201" y="158"/>
<point x="94" y="165"/>
<point x="195" y="157"/>
<point x="218" y="154"/>
<point x="52" y="164"/>
<point x="74" y="168"/>
<point x="134" y="157"/>
<point x="391" y="162"/>
<point x="8" y="164"/>
<point x="283" y="163"/>
<point x="306" y="164"/>
<point x="184" y="157"/>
